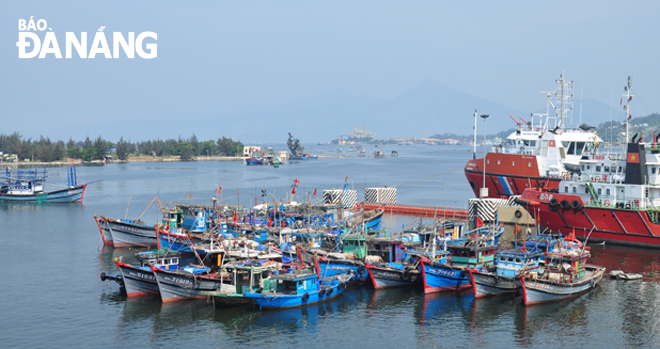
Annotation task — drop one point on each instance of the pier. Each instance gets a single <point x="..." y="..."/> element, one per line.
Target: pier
<point x="421" y="210"/>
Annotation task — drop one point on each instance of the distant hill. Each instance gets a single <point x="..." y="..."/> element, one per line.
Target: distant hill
<point x="425" y="109"/>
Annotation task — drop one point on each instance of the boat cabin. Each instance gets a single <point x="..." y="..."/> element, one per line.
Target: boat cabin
<point x="292" y="283"/>
<point x="250" y="276"/>
<point x="472" y="255"/>
<point x="511" y="262"/>
<point x="389" y="250"/>
<point x="166" y="260"/>
<point x="567" y="260"/>
<point x="194" y="218"/>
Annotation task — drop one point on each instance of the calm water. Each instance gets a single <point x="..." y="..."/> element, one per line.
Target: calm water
<point x="51" y="294"/>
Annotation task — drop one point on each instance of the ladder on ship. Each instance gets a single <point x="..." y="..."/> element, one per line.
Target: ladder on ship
<point x="592" y="192"/>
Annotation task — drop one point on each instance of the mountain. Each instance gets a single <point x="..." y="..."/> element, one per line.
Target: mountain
<point x="426" y="109"/>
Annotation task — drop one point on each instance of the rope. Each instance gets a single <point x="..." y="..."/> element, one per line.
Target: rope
<point x="427" y="178"/>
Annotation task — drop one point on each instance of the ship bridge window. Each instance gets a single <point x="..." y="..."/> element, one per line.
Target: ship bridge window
<point x="620" y="168"/>
<point x="565" y="189"/>
<point x="586" y="190"/>
<point x="582" y="167"/>
<point x="579" y="148"/>
<point x="571" y="148"/>
<point x="606" y="168"/>
<point x="518" y="260"/>
<point x="608" y="192"/>
<point x="652" y="170"/>
<point x="599" y="191"/>
<point x="597" y="168"/>
<point x="588" y="167"/>
<point x="575" y="189"/>
<point x="510" y="259"/>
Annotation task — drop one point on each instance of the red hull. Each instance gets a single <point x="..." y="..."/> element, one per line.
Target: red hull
<point x="616" y="225"/>
<point x="507" y="174"/>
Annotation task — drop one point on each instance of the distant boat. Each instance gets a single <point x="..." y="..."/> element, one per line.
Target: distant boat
<point x="27" y="186"/>
<point x="379" y="154"/>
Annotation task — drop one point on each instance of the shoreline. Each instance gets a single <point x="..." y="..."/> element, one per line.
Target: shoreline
<point x="79" y="162"/>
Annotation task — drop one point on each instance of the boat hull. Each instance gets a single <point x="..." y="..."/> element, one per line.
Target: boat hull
<point x="282" y="301"/>
<point x="439" y="278"/>
<point x="128" y="234"/>
<point x="138" y="281"/>
<point x="177" y="286"/>
<point x="544" y="291"/>
<point x="64" y="196"/>
<point x="490" y="284"/>
<point x="619" y="226"/>
<point x="389" y="277"/>
<point x="506" y="179"/>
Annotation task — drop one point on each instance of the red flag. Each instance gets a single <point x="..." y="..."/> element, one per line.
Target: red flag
<point x="219" y="190"/>
<point x="516" y="230"/>
<point x="237" y="192"/>
<point x="480" y="223"/>
<point x="293" y="190"/>
<point x="314" y="191"/>
<point x="346" y="180"/>
<point x="235" y="216"/>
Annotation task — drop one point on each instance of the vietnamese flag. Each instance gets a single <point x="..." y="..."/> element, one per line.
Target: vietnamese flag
<point x="633" y="158"/>
<point x="480" y="223"/>
<point x="551" y="143"/>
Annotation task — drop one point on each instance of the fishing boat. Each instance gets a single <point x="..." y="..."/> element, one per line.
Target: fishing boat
<point x="140" y="280"/>
<point x="504" y="276"/>
<point x="27" y="186"/>
<point x="298" y="289"/>
<point x="331" y="264"/>
<point x="187" y="283"/>
<point x="536" y="155"/>
<point x="565" y="275"/>
<point x="386" y="275"/>
<point x="451" y="274"/>
<point x="243" y="277"/>
<point x="125" y="233"/>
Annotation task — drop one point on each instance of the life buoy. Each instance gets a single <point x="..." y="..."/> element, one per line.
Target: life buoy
<point x="606" y="202"/>
<point x="322" y="293"/>
<point x="566" y="176"/>
<point x="597" y="178"/>
<point x="305" y="297"/>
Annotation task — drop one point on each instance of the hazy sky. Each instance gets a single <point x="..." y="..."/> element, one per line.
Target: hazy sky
<point x="219" y="57"/>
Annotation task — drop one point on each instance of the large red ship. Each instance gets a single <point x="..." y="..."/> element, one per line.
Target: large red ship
<point x="535" y="155"/>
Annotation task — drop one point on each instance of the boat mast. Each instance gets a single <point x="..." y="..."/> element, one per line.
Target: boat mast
<point x="626" y="107"/>
<point x="474" y="152"/>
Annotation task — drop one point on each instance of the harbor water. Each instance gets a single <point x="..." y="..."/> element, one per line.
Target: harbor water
<point x="51" y="294"/>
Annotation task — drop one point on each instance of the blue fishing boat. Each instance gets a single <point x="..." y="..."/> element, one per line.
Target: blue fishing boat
<point x="243" y="277"/>
<point x="452" y="275"/>
<point x="27" y="186"/>
<point x="331" y="264"/>
<point x="565" y="275"/>
<point x="504" y="276"/>
<point x="298" y="289"/>
<point x="140" y="280"/>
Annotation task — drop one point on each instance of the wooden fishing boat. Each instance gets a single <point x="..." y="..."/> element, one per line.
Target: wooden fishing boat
<point x="125" y="233"/>
<point x="293" y="290"/>
<point x="566" y="274"/>
<point x="27" y="186"/>
<point x="244" y="277"/>
<point x="386" y="275"/>
<point x="187" y="283"/>
<point x="140" y="280"/>
<point x="504" y="276"/>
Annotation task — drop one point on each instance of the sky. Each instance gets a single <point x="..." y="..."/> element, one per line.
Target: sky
<point x="218" y="58"/>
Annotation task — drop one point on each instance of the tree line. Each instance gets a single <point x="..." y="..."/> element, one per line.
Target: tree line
<point x="44" y="149"/>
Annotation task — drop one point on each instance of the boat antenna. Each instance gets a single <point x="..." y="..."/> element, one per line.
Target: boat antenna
<point x="474" y="152"/>
<point x="129" y="204"/>
<point x="581" y="96"/>
<point x="626" y="107"/>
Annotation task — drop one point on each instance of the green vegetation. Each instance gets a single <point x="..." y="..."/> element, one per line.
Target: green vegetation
<point x="46" y="150"/>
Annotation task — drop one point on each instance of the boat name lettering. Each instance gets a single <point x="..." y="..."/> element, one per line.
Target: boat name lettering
<point x="442" y="272"/>
<point x="386" y="275"/>
<point x="537" y="285"/>
<point x="140" y="275"/>
<point x="545" y="196"/>
<point x="176" y="280"/>
<point x="332" y="267"/>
